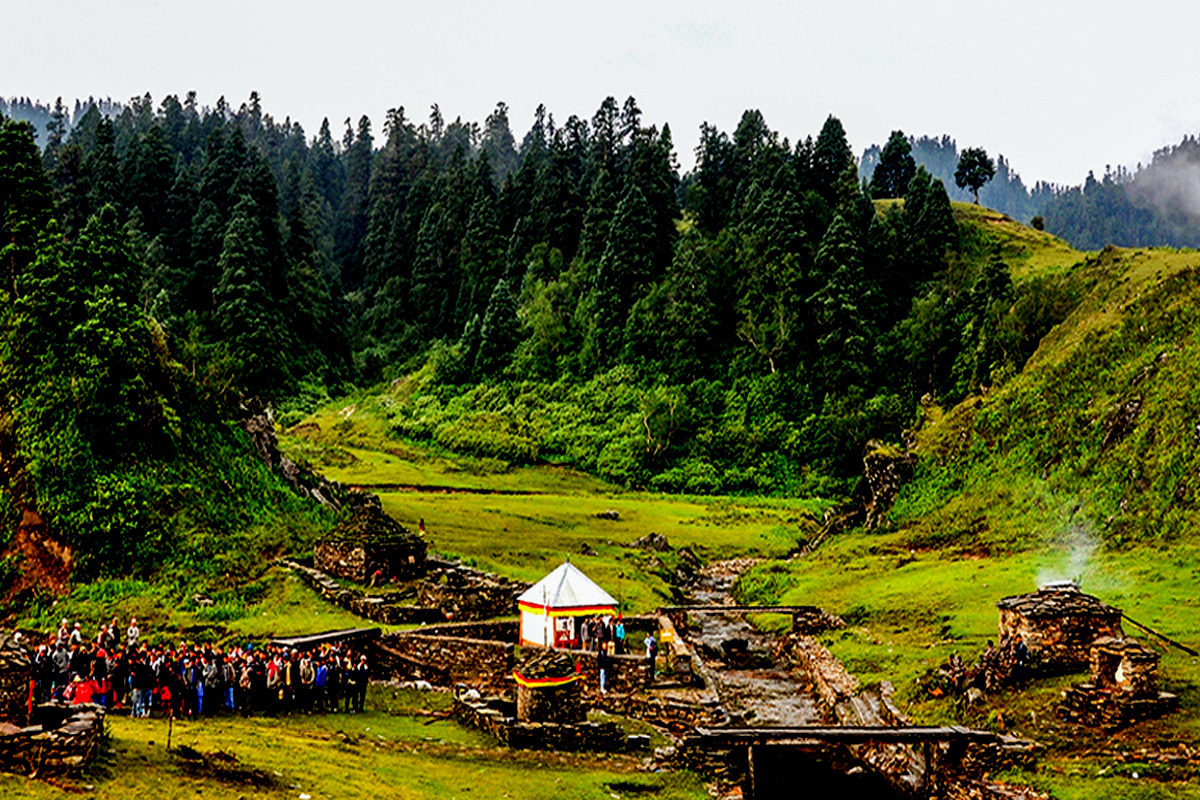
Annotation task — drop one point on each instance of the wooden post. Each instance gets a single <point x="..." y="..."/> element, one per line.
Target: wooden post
<point x="931" y="781"/>
<point x="751" y="783"/>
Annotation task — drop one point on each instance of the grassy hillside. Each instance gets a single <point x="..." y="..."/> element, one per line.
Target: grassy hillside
<point x="1084" y="465"/>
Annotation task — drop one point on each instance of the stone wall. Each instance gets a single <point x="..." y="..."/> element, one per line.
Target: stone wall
<point x="676" y="717"/>
<point x="989" y="790"/>
<point x="1058" y="625"/>
<point x="63" y="739"/>
<point x="676" y="649"/>
<point x="473" y="595"/>
<point x="1123" y="688"/>
<point x="495" y="716"/>
<point x="481" y="663"/>
<point x="561" y="704"/>
<point x="492" y="630"/>
<point x="466" y="594"/>
<point x="1088" y="704"/>
<point x="15" y="672"/>
<point x="833" y="683"/>
<point x="376" y="608"/>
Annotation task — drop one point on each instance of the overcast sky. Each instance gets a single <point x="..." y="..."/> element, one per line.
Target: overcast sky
<point x="1059" y="88"/>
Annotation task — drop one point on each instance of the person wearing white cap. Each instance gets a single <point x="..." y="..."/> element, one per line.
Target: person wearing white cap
<point x="132" y="635"/>
<point x="77" y="634"/>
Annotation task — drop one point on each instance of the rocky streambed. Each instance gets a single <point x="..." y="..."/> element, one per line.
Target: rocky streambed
<point x="754" y="687"/>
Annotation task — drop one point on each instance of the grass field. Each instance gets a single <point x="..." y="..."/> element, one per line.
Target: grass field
<point x="388" y="752"/>
<point x="550" y="514"/>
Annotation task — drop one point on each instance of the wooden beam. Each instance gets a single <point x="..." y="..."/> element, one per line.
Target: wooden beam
<point x="1162" y="636"/>
<point x="328" y="637"/>
<point x="848" y="735"/>
<point x="745" y="609"/>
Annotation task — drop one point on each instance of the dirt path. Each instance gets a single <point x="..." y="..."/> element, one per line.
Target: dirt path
<point x="754" y="690"/>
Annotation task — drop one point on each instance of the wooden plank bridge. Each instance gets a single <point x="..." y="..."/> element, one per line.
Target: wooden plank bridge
<point x="776" y="758"/>
<point x="745" y="737"/>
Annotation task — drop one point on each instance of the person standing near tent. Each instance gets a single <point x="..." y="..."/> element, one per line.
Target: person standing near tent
<point x="619" y="636"/>
<point x="651" y="655"/>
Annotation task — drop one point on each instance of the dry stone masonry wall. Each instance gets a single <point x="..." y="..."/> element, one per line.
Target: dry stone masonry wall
<point x="1123" y="687"/>
<point x="63" y="740"/>
<point x="498" y="718"/>
<point x="482" y="663"/>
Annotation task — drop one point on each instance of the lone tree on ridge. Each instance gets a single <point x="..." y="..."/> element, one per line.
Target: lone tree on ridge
<point x="974" y="170"/>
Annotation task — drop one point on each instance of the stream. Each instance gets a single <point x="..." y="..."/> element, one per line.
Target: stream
<point x="754" y="690"/>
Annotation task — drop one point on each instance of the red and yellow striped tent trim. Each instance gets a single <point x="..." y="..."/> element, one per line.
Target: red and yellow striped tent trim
<point x="571" y="611"/>
<point x="542" y="683"/>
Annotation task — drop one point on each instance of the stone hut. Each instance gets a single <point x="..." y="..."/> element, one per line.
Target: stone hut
<point x="1123" y="686"/>
<point x="369" y="541"/>
<point x="548" y="690"/>
<point x="1058" y="623"/>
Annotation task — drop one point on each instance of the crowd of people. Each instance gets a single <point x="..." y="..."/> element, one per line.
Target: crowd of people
<point x="601" y="634"/>
<point x="118" y="670"/>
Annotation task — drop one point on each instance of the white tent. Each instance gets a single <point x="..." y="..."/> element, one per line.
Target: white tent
<point x="551" y="602"/>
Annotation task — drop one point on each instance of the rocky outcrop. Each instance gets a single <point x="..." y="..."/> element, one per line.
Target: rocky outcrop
<point x="1120" y="422"/>
<point x="885" y="470"/>
<point x="259" y="423"/>
<point x="15" y="671"/>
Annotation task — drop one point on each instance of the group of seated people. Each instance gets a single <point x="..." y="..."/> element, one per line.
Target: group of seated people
<point x="193" y="680"/>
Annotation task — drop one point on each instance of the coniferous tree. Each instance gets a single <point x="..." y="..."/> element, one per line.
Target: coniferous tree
<point x="352" y="213"/>
<point x="601" y="206"/>
<point x="842" y="308"/>
<point x="26" y="201"/>
<point x="499" y="332"/>
<point x="482" y="260"/>
<point x="831" y="154"/>
<point x="248" y="321"/>
<point x="622" y="276"/>
<point x="498" y="145"/>
<point x="895" y="170"/>
<point x="56" y="135"/>
<point x="103" y="166"/>
<point x="433" y="282"/>
<point x="150" y="176"/>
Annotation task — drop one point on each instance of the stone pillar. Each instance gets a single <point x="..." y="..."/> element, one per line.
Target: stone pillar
<point x="562" y="704"/>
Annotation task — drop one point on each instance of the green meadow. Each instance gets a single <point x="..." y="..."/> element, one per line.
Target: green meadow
<point x="394" y="750"/>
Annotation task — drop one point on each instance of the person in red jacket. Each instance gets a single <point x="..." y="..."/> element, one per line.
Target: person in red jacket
<point x="82" y="691"/>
